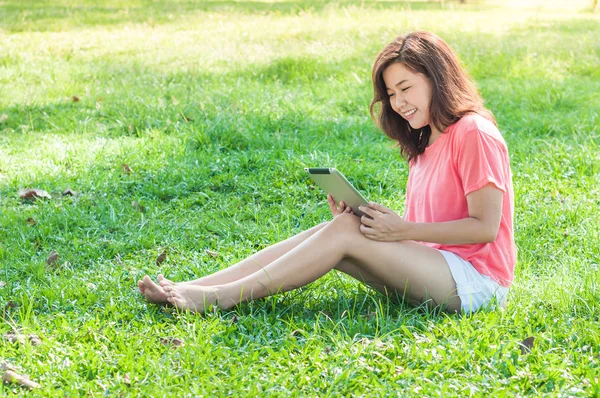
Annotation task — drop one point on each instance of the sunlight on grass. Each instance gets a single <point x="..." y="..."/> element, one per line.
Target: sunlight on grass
<point x="216" y="107"/>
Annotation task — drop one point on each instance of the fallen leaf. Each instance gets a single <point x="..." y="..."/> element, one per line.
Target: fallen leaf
<point x="127" y="380"/>
<point x="2" y="284"/>
<point x="69" y="192"/>
<point x="4" y="366"/>
<point x="212" y="253"/>
<point x="10" y="304"/>
<point x="234" y="319"/>
<point x="526" y="345"/>
<point x="75" y="98"/>
<point x="31" y="221"/>
<point x="34" y="339"/>
<point x="172" y="341"/>
<point x="126" y="169"/>
<point x="14" y="338"/>
<point x="137" y="206"/>
<point x="10" y="376"/>
<point x="161" y="258"/>
<point x="52" y="258"/>
<point x="31" y="194"/>
<point x="3" y="118"/>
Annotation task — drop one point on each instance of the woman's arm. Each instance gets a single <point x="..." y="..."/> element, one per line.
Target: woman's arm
<point x="485" y="211"/>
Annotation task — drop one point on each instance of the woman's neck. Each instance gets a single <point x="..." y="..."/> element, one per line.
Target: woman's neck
<point x="435" y="134"/>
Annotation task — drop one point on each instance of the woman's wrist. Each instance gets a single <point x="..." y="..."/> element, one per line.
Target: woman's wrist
<point x="406" y="230"/>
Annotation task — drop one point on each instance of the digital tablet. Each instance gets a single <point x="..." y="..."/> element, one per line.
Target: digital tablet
<point x="334" y="183"/>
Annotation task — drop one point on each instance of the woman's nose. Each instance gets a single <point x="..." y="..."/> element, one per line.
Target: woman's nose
<point x="399" y="102"/>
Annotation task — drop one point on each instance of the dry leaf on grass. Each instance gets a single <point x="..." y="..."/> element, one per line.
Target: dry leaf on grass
<point x="4" y="366"/>
<point x="34" y="339"/>
<point x="52" y="258"/>
<point x="526" y="345"/>
<point x="32" y="194"/>
<point x="10" y="304"/>
<point x="31" y="221"/>
<point x="75" y="98"/>
<point x="69" y="192"/>
<point x="212" y="253"/>
<point x="14" y="338"/>
<point x="161" y="258"/>
<point x="3" y="118"/>
<point x="126" y="169"/>
<point x="172" y="341"/>
<point x="127" y="380"/>
<point x="2" y="284"/>
<point x="137" y="206"/>
<point x="9" y="375"/>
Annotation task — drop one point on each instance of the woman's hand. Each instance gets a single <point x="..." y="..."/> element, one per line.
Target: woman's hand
<point x="337" y="210"/>
<point x="382" y="224"/>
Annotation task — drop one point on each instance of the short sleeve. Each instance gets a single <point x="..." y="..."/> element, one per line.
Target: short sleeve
<point x="482" y="159"/>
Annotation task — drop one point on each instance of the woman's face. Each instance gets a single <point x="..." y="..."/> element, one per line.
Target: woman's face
<point x="409" y="94"/>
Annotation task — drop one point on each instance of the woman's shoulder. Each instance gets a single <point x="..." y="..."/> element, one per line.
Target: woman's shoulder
<point x="474" y="123"/>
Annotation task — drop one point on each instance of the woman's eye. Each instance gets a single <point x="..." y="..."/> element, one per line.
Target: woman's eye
<point x="405" y="89"/>
<point x="391" y="95"/>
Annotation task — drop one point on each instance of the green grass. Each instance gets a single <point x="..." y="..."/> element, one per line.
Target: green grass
<point x="217" y="107"/>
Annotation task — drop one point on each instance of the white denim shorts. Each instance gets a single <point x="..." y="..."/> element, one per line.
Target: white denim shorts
<point x="473" y="289"/>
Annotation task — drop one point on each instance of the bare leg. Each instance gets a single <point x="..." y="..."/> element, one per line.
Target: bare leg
<point x="155" y="293"/>
<point x="395" y="265"/>
<point x="256" y="261"/>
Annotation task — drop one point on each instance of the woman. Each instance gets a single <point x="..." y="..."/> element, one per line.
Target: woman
<point x="454" y="246"/>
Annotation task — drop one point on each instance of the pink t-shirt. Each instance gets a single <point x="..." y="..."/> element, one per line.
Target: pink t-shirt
<point x="469" y="155"/>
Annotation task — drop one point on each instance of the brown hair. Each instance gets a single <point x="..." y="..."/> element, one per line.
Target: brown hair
<point x="453" y="93"/>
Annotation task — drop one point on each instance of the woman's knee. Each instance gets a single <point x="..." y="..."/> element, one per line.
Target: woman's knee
<point x="346" y="220"/>
<point x="344" y="227"/>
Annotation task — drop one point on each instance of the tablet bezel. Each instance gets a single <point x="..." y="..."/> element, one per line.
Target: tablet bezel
<point x="333" y="182"/>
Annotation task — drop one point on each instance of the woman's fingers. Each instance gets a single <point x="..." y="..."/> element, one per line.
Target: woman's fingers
<point x="369" y="222"/>
<point x="332" y="205"/>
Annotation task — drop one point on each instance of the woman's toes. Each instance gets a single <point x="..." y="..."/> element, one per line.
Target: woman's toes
<point x="177" y="302"/>
<point x="141" y="286"/>
<point x="165" y="282"/>
<point x="160" y="277"/>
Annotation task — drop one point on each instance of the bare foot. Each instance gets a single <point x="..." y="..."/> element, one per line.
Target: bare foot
<point x="153" y="292"/>
<point x="191" y="297"/>
<point x="162" y="281"/>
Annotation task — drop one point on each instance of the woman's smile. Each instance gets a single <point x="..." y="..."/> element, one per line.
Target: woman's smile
<point x="408" y="115"/>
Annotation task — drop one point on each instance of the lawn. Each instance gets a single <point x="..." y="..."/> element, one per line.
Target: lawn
<point x="183" y="127"/>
